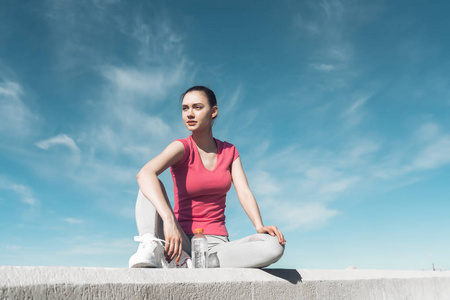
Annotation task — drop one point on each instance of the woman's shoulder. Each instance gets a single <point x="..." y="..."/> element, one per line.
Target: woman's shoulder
<point x="228" y="148"/>
<point x="224" y="144"/>
<point x="187" y="142"/>
<point x="184" y="146"/>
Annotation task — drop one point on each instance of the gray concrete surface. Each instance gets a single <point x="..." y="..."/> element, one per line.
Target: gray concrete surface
<point x="109" y="283"/>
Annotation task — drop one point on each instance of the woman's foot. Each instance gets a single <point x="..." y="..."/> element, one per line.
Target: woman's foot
<point x="149" y="252"/>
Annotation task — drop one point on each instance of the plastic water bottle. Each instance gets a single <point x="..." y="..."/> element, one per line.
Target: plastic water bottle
<point x="199" y="246"/>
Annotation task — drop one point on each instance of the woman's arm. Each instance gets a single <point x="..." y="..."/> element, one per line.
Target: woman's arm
<point x="249" y="203"/>
<point x="150" y="186"/>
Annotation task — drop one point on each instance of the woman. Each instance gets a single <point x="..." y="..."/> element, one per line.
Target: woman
<point x="203" y="169"/>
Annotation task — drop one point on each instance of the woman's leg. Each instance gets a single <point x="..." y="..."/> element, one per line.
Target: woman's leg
<point x="255" y="251"/>
<point x="149" y="221"/>
<point x="147" y="218"/>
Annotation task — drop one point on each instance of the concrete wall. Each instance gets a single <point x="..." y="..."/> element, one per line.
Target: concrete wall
<point x="108" y="283"/>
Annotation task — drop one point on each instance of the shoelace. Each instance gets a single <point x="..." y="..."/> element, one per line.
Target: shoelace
<point x="150" y="241"/>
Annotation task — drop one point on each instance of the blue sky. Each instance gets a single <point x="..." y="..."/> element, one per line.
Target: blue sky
<point x="339" y="109"/>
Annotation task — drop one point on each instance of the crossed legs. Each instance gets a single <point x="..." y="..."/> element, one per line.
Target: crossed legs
<point x="254" y="251"/>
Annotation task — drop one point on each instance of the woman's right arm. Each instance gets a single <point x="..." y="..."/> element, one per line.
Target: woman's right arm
<point x="151" y="188"/>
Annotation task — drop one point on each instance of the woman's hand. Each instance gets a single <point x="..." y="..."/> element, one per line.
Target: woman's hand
<point x="174" y="245"/>
<point x="273" y="231"/>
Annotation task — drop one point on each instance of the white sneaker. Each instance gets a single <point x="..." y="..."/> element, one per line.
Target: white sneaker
<point x="149" y="252"/>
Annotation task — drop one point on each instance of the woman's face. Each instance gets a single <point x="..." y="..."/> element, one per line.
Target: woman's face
<point x="196" y="111"/>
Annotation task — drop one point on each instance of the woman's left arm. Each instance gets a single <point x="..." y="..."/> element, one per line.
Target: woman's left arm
<point x="249" y="203"/>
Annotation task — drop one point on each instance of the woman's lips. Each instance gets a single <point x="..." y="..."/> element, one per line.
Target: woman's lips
<point x="191" y="122"/>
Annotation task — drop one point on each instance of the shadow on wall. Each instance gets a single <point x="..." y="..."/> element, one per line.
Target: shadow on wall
<point x="291" y="275"/>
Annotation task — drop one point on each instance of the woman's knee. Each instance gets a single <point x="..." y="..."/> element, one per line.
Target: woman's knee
<point x="278" y="249"/>
<point x="273" y="247"/>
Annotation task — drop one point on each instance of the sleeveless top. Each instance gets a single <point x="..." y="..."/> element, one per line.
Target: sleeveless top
<point x="200" y="194"/>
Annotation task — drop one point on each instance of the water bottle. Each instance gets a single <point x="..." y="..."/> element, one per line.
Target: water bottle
<point x="199" y="246"/>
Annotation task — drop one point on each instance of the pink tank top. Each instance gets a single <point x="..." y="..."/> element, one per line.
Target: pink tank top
<point x="200" y="194"/>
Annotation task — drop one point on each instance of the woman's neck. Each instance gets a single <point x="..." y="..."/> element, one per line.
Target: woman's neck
<point x="205" y="140"/>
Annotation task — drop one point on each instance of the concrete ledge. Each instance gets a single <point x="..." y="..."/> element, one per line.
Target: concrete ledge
<point x="109" y="283"/>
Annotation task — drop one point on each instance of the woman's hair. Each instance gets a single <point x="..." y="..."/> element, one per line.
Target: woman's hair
<point x="206" y="91"/>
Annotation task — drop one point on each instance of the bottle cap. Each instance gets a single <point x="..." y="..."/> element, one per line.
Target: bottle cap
<point x="198" y="230"/>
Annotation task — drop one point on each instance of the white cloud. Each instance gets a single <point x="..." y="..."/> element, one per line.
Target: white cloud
<point x="354" y="113"/>
<point x="231" y="102"/>
<point x="428" y="131"/>
<point x="329" y="26"/>
<point x="337" y="186"/>
<point x="301" y="184"/>
<point x="132" y="126"/>
<point x="24" y="192"/>
<point x="287" y="199"/>
<point x="74" y="221"/>
<point x="359" y="150"/>
<point x="132" y="119"/>
<point x="151" y="83"/>
<point x="16" y="119"/>
<point x="434" y="149"/>
<point x="334" y="9"/>
<point x="96" y="172"/>
<point x="264" y="183"/>
<point x="323" y="67"/>
<point x="310" y="27"/>
<point x="325" y="182"/>
<point x="124" y="116"/>
<point x="159" y="43"/>
<point x="293" y="215"/>
<point x="427" y="148"/>
<point x="357" y="104"/>
<point x="434" y="155"/>
<point x="11" y="89"/>
<point x="61" y="139"/>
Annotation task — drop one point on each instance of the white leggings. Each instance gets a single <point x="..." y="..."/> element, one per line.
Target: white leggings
<point x="254" y="251"/>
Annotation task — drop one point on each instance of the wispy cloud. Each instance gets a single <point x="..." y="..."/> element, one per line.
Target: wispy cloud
<point x="323" y="67"/>
<point x="25" y="193"/>
<point x="357" y="104"/>
<point x="301" y="202"/>
<point x="230" y="101"/>
<point x="10" y="89"/>
<point x="327" y="21"/>
<point x="158" y="42"/>
<point x="16" y="118"/>
<point x="338" y="185"/>
<point x="433" y="155"/>
<point x="427" y="148"/>
<point x="264" y="183"/>
<point x="329" y="26"/>
<point x="303" y="215"/>
<point x="354" y="113"/>
<point x="124" y="119"/>
<point x="74" y="221"/>
<point x="150" y="83"/>
<point x="62" y="140"/>
<point x="304" y="192"/>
